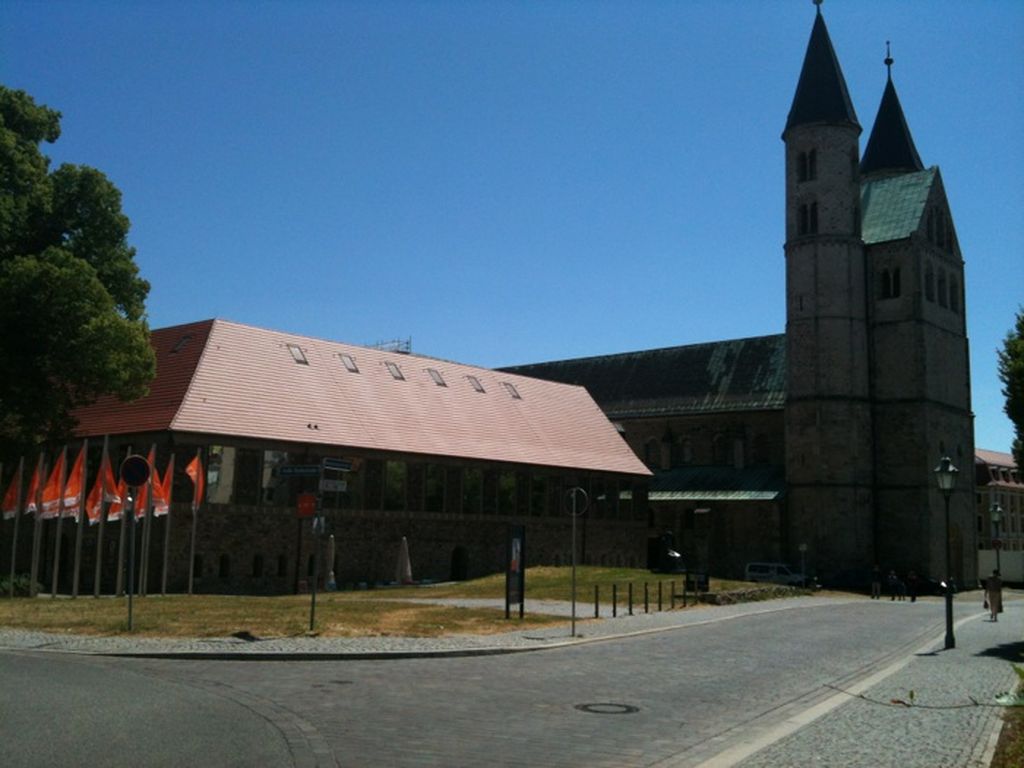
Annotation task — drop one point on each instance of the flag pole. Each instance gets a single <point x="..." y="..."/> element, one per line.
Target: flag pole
<point x="37" y="530"/>
<point x="60" y="520"/>
<point x="17" y="515"/>
<point x="98" y="573"/>
<point x="195" y="519"/>
<point x="147" y="527"/>
<point x="169" y="493"/>
<point x="120" y="541"/>
<point x="81" y="514"/>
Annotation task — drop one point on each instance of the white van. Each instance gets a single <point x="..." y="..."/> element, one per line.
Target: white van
<point x="776" y="573"/>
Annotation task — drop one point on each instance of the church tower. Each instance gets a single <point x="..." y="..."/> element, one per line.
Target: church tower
<point x="920" y="379"/>
<point x="828" y="414"/>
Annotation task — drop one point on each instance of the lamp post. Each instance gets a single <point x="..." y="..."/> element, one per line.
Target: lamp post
<point x="995" y="512"/>
<point x="945" y="476"/>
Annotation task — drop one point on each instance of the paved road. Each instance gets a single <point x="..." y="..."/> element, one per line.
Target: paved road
<point x="725" y="689"/>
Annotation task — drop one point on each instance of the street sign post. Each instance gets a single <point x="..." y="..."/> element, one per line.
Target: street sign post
<point x="135" y="472"/>
<point x="578" y="501"/>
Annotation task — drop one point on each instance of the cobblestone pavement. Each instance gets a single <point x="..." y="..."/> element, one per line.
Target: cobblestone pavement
<point x="504" y="712"/>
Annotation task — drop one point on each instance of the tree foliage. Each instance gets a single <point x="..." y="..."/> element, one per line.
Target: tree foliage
<point x="1011" y="373"/>
<point x="72" y="304"/>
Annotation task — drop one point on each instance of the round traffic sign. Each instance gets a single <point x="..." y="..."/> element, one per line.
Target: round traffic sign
<point x="577" y="500"/>
<point x="135" y="470"/>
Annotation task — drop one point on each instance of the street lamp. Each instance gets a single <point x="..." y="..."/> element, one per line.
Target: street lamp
<point x="945" y="476"/>
<point x="995" y="512"/>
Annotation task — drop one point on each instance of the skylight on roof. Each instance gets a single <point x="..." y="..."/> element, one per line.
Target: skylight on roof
<point x="349" y="362"/>
<point x="476" y="383"/>
<point x="512" y="390"/>
<point x="394" y="370"/>
<point x="297" y="354"/>
<point x="437" y="377"/>
<point x="182" y="343"/>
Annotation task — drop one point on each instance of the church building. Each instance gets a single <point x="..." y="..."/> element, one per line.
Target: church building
<point x="817" y="446"/>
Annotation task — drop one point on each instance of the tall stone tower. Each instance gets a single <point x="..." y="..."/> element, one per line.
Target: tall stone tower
<point x="828" y="413"/>
<point x="920" y="378"/>
<point x="878" y="381"/>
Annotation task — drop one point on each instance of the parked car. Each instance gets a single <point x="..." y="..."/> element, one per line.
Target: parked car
<point x="775" y="573"/>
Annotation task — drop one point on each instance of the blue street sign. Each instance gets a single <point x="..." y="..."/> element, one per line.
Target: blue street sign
<point x="340" y="465"/>
<point x="298" y="470"/>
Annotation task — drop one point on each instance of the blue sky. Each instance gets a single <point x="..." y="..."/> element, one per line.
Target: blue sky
<point x="510" y="182"/>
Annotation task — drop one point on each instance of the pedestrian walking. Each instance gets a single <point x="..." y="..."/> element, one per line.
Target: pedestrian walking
<point x="994" y="595"/>
<point x="892" y="584"/>
<point x="876" y="583"/>
<point x="912" y="586"/>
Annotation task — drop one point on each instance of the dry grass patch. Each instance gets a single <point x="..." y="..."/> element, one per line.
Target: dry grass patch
<point x="337" y="615"/>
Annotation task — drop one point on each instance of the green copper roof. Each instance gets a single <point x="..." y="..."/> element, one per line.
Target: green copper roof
<point x="760" y="483"/>
<point x="892" y="207"/>
<point x="736" y="375"/>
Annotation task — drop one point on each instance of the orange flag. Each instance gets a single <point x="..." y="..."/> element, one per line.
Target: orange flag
<point x="103" y="489"/>
<point x="51" y="491"/>
<point x="142" y="502"/>
<point x="117" y="505"/>
<point x="195" y="472"/>
<point x="32" y="497"/>
<point x="73" y="488"/>
<point x="163" y="490"/>
<point x="10" y="505"/>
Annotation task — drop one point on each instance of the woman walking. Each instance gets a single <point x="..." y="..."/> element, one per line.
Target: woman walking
<point x="994" y="595"/>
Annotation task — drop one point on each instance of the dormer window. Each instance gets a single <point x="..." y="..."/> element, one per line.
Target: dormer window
<point x="349" y="363"/>
<point x="297" y="354"/>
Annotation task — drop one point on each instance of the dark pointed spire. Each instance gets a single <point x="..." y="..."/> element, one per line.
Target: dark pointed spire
<point x="821" y="95"/>
<point x="890" y="147"/>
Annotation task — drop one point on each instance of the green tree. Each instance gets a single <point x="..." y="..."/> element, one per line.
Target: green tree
<point x="1011" y="373"/>
<point x="72" y="304"/>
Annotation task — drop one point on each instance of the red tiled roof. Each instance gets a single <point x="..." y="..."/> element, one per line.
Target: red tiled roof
<point x="995" y="458"/>
<point x="178" y="350"/>
<point x="245" y="383"/>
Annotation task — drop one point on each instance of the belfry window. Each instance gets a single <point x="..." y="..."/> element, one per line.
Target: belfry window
<point x="886" y="288"/>
<point x="942" y="288"/>
<point x="802" y="223"/>
<point x="813" y="219"/>
<point x="807" y="166"/>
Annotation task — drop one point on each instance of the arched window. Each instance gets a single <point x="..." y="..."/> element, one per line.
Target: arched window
<point x="954" y="295"/>
<point x="720" y="450"/>
<point x="886" y="286"/>
<point x="801" y="167"/>
<point x="802" y="224"/>
<point x="813" y="223"/>
<point x="812" y="164"/>
<point x="942" y="287"/>
<point x="929" y="283"/>
<point x="652" y="453"/>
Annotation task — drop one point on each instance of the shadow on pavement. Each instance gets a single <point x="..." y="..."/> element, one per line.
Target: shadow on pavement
<point x="1008" y="651"/>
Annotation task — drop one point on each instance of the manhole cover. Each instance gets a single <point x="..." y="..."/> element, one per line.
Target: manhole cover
<point x="608" y="708"/>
